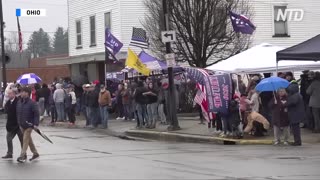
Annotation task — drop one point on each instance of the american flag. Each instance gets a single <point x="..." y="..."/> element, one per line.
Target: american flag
<point x="241" y="23"/>
<point x="139" y="38"/>
<point x="197" y="74"/>
<point x="200" y="97"/>
<point x="20" y="36"/>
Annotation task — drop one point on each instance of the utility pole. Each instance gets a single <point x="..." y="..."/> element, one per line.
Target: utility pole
<point x="3" y="56"/>
<point x="173" y="120"/>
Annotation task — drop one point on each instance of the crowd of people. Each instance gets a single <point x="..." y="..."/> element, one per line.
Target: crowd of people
<point x="285" y="110"/>
<point x="146" y="102"/>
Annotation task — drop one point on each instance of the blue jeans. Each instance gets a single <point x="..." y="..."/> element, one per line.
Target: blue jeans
<point x="94" y="115"/>
<point x="78" y="107"/>
<point x="104" y="116"/>
<point x="60" y="111"/>
<point x="152" y="110"/>
<point x="88" y="121"/>
<point x="142" y="114"/>
<point x="127" y="111"/>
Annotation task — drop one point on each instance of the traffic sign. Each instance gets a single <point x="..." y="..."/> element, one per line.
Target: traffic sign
<point x="170" y="59"/>
<point x="168" y="36"/>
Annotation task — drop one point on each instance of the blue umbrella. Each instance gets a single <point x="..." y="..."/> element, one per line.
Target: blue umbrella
<point x="272" y="84"/>
<point x="29" y="78"/>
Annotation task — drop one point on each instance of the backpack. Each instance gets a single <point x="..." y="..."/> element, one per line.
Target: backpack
<point x="67" y="100"/>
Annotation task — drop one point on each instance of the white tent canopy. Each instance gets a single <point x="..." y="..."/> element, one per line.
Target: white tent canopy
<point x="260" y="58"/>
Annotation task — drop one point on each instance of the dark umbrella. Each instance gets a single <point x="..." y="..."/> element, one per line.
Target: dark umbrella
<point x="43" y="135"/>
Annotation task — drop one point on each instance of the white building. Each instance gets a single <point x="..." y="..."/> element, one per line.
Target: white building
<point x="87" y="22"/>
<point x="285" y="33"/>
<point x="89" y="18"/>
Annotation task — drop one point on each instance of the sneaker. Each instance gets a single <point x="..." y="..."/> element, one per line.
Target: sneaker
<point x="118" y="118"/>
<point x="276" y="143"/>
<point x="34" y="157"/>
<point x="286" y="143"/>
<point x="7" y="156"/>
<point x="22" y="159"/>
<point x="133" y="120"/>
<point x="296" y="144"/>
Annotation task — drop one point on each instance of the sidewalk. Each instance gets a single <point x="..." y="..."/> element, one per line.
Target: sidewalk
<point x="191" y="131"/>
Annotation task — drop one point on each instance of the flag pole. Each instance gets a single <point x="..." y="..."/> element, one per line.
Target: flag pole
<point x="106" y="53"/>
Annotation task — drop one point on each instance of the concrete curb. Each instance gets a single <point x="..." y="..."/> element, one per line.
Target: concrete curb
<point x="172" y="136"/>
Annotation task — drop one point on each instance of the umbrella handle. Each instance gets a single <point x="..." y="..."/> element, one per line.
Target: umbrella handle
<point x="275" y="98"/>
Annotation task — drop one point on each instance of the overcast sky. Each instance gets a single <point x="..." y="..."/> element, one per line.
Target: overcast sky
<point x="56" y="10"/>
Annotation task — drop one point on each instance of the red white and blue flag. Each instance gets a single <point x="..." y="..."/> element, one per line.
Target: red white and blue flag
<point x="20" y="35"/>
<point x="241" y="23"/>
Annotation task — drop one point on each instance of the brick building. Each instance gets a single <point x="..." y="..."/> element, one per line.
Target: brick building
<point x="39" y="66"/>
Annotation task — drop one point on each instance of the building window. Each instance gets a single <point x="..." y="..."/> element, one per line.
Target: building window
<point x="78" y="30"/>
<point x="280" y="25"/>
<point x="92" y="31"/>
<point x="107" y="20"/>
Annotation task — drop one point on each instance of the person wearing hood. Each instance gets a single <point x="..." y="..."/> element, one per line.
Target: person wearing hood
<point x="314" y="102"/>
<point x="296" y="111"/>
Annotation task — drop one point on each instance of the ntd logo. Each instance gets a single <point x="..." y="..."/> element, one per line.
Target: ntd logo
<point x="290" y="15"/>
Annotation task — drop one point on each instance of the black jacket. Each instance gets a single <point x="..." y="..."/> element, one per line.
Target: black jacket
<point x="11" y="110"/>
<point x="295" y="104"/>
<point x="27" y="113"/>
<point x="93" y="98"/>
<point x="43" y="92"/>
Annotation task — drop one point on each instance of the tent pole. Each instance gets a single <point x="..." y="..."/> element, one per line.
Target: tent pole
<point x="277" y="68"/>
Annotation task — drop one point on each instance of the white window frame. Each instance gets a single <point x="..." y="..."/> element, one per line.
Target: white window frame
<point x="104" y="20"/>
<point x="79" y="34"/>
<point x="95" y="31"/>
<point x="273" y="23"/>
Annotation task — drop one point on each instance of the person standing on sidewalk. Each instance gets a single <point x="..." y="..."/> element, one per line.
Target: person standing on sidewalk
<point x="28" y="119"/>
<point x="58" y="98"/>
<point x="119" y="102"/>
<point x="141" y="102"/>
<point x="53" y="110"/>
<point x="93" y="98"/>
<point x="296" y="112"/>
<point x="72" y="109"/>
<point x="161" y="102"/>
<point x="12" y="123"/>
<point x="314" y="101"/>
<point x="86" y="108"/>
<point x="104" y="102"/>
<point x="280" y="117"/>
<point x="126" y="102"/>
<point x="42" y="97"/>
<point x="152" y="106"/>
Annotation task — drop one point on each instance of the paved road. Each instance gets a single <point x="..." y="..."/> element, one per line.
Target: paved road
<point x="85" y="154"/>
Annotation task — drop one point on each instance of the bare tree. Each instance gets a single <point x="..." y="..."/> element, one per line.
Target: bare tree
<point x="12" y="42"/>
<point x="204" y="32"/>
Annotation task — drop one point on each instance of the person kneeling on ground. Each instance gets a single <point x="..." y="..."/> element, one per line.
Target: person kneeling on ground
<point x="256" y="118"/>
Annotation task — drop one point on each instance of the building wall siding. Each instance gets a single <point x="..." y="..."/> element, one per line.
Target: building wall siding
<point x="298" y="31"/>
<point x="82" y="10"/>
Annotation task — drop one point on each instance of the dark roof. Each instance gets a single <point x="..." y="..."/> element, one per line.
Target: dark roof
<point x="308" y="50"/>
